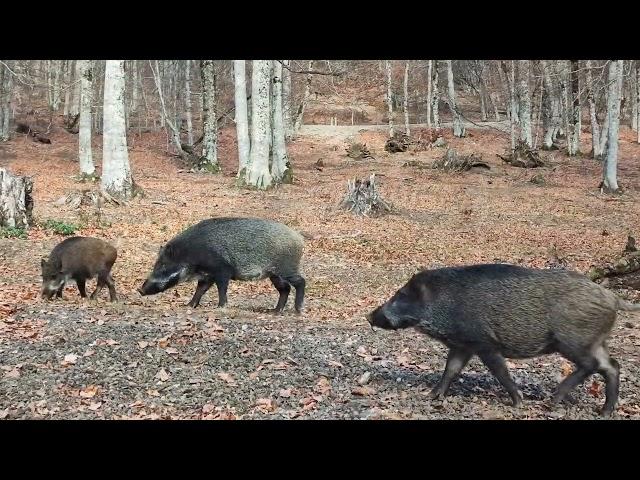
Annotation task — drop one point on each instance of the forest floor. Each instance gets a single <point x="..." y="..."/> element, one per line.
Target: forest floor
<point x="153" y="357"/>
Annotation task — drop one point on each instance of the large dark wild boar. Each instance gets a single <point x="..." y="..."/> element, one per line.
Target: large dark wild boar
<point x="497" y="311"/>
<point x="218" y="250"/>
<point x="79" y="259"/>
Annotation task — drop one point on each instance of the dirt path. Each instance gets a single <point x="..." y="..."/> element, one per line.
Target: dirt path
<point x="344" y="132"/>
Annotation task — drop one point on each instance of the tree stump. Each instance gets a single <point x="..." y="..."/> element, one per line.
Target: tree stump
<point x="358" y="151"/>
<point x="398" y="143"/>
<point x="452" y="162"/>
<point x="523" y="156"/>
<point x="362" y="198"/>
<point x="16" y="202"/>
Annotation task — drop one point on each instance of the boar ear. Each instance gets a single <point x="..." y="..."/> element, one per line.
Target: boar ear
<point x="43" y="262"/>
<point x="426" y="293"/>
<point x="168" y="249"/>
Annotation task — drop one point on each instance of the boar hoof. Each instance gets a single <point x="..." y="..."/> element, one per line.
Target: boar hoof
<point x="606" y="412"/>
<point x="435" y="394"/>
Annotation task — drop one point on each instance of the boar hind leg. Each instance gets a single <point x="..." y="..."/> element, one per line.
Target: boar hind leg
<point x="201" y="289"/>
<point x="456" y="361"/>
<point x="81" y="282"/>
<point x="298" y="283"/>
<point x="497" y="366"/>
<point x="283" y="288"/>
<point x="59" y="292"/>
<point x="222" y="283"/>
<point x="587" y="365"/>
<point x="112" y="288"/>
<point x="610" y="370"/>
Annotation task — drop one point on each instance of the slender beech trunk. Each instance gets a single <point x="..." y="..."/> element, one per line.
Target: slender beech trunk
<point x="610" y="183"/>
<point x="458" y="125"/>
<point x="85" y="75"/>
<point x="257" y="172"/>
<point x="405" y="104"/>
<point x="117" y="180"/>
<point x="429" y="81"/>
<point x="209" y="160"/>
<point x="280" y="167"/>
<point x="387" y="65"/>
<point x="242" y="123"/>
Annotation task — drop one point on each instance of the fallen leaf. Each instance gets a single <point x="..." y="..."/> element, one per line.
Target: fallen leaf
<point x="69" y="359"/>
<point x="595" y="388"/>
<point x="137" y="404"/>
<point x="227" y="378"/>
<point x="208" y="408"/>
<point x="162" y="375"/>
<point x="363" y="391"/>
<point x="335" y="364"/>
<point x="95" y="406"/>
<point x="265" y="404"/>
<point x="364" y="378"/>
<point x="323" y="385"/>
<point x="566" y="369"/>
<point x="88" y="353"/>
<point x="4" y="413"/>
<point x="285" y="393"/>
<point x="89" y="391"/>
<point x="403" y="360"/>
<point x="143" y="344"/>
<point x="15" y="373"/>
<point x="171" y="351"/>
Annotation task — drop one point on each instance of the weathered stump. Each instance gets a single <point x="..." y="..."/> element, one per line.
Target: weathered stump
<point x="452" y="162"/>
<point x="397" y="143"/>
<point x="362" y="198"/>
<point x="523" y="156"/>
<point x="358" y="151"/>
<point x="16" y="202"/>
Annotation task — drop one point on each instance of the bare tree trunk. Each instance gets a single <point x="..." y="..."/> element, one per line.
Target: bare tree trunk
<point x="550" y="107"/>
<point x="242" y="124"/>
<point x="574" y="131"/>
<point x="610" y="183"/>
<point x="257" y="172"/>
<point x="305" y="97"/>
<point x="6" y="89"/>
<point x="564" y="99"/>
<point x="429" y="100"/>
<point x="405" y="105"/>
<point x="458" y="125"/>
<point x="84" y="129"/>
<point x="638" y="100"/>
<point x="67" y="87"/>
<point x="387" y="65"/>
<point x="135" y="86"/>
<point x="187" y="102"/>
<point x="511" y="79"/>
<point x="286" y="100"/>
<point x="16" y="202"/>
<point x="604" y="133"/>
<point x="175" y="133"/>
<point x="435" y="99"/>
<point x="76" y="89"/>
<point x="280" y="167"/>
<point x="117" y="180"/>
<point x="525" y="102"/>
<point x="209" y="122"/>
<point x="595" y="127"/>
